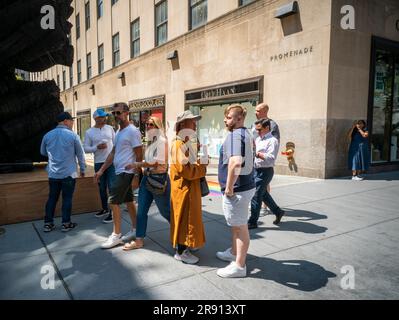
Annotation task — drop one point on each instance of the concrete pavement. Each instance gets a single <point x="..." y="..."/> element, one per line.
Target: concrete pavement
<point x="332" y="227"/>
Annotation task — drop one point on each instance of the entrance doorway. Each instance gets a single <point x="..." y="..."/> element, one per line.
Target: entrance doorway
<point x="384" y="102"/>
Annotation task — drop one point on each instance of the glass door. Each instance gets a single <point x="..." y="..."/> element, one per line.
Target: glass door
<point x="384" y="109"/>
<point x="395" y="114"/>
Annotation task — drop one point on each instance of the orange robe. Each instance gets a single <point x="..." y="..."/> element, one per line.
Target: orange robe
<point x="186" y="208"/>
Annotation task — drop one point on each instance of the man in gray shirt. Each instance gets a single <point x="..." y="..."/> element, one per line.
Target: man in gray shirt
<point x="62" y="146"/>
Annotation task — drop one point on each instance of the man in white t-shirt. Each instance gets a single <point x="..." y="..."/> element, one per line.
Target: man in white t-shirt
<point x="127" y="150"/>
<point x="100" y="141"/>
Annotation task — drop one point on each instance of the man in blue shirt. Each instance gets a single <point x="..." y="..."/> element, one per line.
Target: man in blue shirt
<point x="235" y="174"/>
<point x="62" y="146"/>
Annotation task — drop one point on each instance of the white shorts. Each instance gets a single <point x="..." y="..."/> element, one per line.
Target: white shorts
<point x="235" y="208"/>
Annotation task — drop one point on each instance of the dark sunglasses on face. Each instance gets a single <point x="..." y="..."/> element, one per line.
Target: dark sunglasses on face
<point x="149" y="124"/>
<point x="118" y="113"/>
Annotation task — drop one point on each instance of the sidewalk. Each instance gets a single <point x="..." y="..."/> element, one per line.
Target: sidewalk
<point x="329" y="224"/>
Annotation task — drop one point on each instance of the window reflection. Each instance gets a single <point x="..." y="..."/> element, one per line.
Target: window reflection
<point x="382" y="106"/>
<point x="395" y="114"/>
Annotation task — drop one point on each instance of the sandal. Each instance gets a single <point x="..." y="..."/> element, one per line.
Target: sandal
<point x="68" y="226"/>
<point x="48" y="227"/>
<point x="132" y="245"/>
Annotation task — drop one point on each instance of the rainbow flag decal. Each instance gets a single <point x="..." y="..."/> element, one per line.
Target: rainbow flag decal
<point x="214" y="189"/>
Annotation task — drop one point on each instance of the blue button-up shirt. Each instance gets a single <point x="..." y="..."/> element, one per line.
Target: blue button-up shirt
<point x="62" y="146"/>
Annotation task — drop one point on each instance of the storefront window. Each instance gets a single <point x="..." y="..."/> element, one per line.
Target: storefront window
<point x="395" y="114"/>
<point x="139" y="118"/>
<point x="384" y="139"/>
<point x="83" y="122"/>
<point x="142" y="109"/>
<point x="211" y="128"/>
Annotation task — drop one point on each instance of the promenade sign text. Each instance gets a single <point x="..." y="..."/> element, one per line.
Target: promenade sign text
<point x="291" y="54"/>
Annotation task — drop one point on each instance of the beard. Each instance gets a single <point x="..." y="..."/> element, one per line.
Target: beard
<point x="230" y="127"/>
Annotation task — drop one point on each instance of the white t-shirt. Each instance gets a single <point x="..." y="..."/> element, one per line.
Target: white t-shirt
<point x="125" y="140"/>
<point x="157" y="152"/>
<point x="95" y="136"/>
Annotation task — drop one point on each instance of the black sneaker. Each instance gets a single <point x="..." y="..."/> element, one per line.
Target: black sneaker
<point x="68" y="226"/>
<point x="48" y="227"/>
<point x="252" y="225"/>
<point x="279" y="215"/>
<point x="108" y="219"/>
<point x="101" y="213"/>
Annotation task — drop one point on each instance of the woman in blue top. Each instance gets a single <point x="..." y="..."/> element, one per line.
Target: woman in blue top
<point x="359" y="154"/>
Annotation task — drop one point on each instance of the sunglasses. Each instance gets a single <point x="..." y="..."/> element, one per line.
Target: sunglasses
<point x="118" y="113"/>
<point x="149" y="124"/>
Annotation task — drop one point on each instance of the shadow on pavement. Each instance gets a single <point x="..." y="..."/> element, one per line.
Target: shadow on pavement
<point x="301" y="225"/>
<point x="297" y="226"/>
<point x="105" y="277"/>
<point x="304" y="215"/>
<point x="297" y="274"/>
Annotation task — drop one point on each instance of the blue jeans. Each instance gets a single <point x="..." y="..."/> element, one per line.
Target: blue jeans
<point x="56" y="186"/>
<point x="105" y="182"/>
<point x="263" y="176"/>
<point x="145" y="199"/>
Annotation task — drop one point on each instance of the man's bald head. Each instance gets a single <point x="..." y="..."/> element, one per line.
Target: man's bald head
<point x="261" y="111"/>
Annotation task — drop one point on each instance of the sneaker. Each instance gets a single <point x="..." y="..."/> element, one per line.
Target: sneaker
<point x="112" y="241"/>
<point x="68" y="226"/>
<point x="101" y="213"/>
<point x="48" y="227"/>
<point x="252" y="225"/>
<point x="226" y="255"/>
<point x="279" y="215"/>
<point x="357" y="178"/>
<point x="232" y="271"/>
<point x="186" y="257"/>
<point x="108" y="219"/>
<point x="129" y="236"/>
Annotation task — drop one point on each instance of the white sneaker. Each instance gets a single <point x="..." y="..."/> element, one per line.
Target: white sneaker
<point x="186" y="257"/>
<point x="129" y="236"/>
<point x="226" y="255"/>
<point x="112" y="241"/>
<point x="232" y="271"/>
<point x="357" y="178"/>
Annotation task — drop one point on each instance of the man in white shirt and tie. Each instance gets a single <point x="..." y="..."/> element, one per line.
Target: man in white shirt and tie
<point x="265" y="156"/>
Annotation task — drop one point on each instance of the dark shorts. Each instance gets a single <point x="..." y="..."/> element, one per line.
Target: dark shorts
<point x="121" y="189"/>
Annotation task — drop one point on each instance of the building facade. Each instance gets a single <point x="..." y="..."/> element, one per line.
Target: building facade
<point x="318" y="64"/>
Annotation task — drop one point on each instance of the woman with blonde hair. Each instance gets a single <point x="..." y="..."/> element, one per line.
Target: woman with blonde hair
<point x="155" y="185"/>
